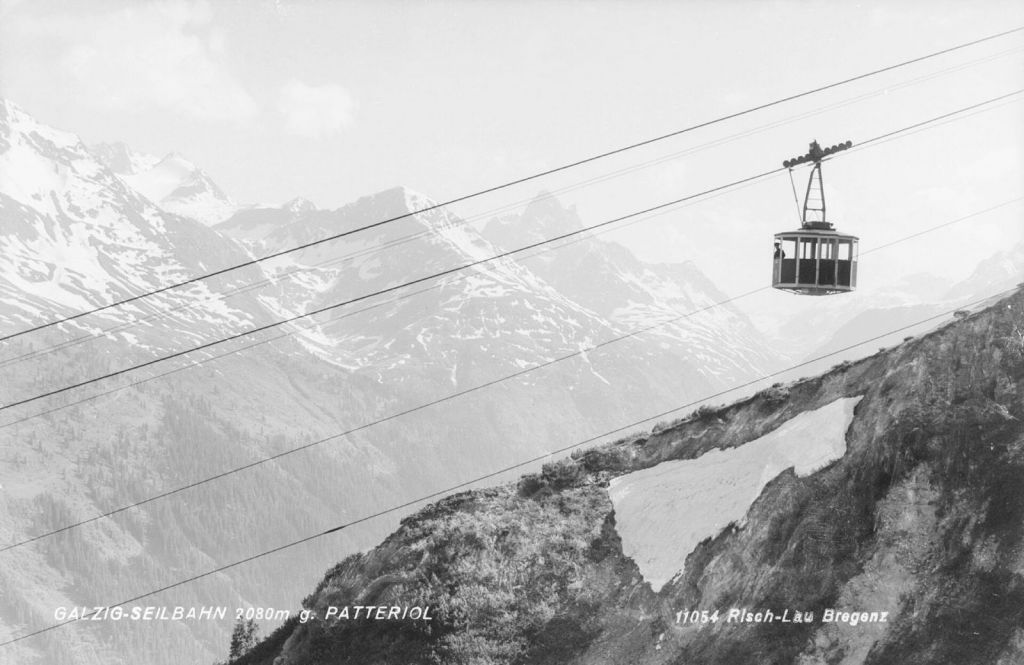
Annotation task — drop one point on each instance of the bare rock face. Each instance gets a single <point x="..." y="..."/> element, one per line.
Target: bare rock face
<point x="905" y="549"/>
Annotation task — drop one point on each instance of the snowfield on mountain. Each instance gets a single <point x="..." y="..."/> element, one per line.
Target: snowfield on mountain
<point x="663" y="512"/>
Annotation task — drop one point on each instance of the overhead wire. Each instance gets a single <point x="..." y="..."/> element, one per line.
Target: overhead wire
<point x="390" y="289"/>
<point x="511" y="183"/>
<point x="910" y="129"/>
<point x="796" y="198"/>
<point x="452" y="396"/>
<point x="493" y="474"/>
<point x="222" y="296"/>
<point x="945" y="121"/>
<point x="274" y="279"/>
<point x="478" y="262"/>
<point x="318" y="324"/>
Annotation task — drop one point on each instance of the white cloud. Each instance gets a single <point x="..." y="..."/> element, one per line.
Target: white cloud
<point x="315" y="111"/>
<point x="165" y="55"/>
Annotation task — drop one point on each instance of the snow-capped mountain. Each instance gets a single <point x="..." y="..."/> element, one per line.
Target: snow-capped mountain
<point x="607" y="279"/>
<point x="511" y="313"/>
<point x="75" y="235"/>
<point x="459" y="316"/>
<point x="173" y="183"/>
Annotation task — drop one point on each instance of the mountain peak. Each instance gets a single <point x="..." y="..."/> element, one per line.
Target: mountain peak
<point x="15" y="120"/>
<point x="121" y="159"/>
<point x="10" y="111"/>
<point x="398" y="200"/>
<point x="416" y="200"/>
<point x="545" y="203"/>
<point x="543" y="217"/>
<point x="298" y="205"/>
<point x="11" y="114"/>
<point x="172" y="182"/>
<point x="176" y="163"/>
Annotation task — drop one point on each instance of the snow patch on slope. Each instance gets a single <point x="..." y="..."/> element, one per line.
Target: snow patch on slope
<point x="179" y="186"/>
<point x="462" y="237"/>
<point x="163" y="178"/>
<point x="664" y="512"/>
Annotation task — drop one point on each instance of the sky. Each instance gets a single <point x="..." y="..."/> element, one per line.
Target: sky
<point x="335" y="100"/>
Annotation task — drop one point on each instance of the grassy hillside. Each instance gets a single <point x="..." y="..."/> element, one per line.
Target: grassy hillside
<point x="922" y="519"/>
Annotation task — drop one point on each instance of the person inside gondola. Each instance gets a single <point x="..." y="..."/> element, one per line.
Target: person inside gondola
<point x="779" y="252"/>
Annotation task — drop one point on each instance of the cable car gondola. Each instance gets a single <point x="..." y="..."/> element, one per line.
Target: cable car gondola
<point x="815" y="260"/>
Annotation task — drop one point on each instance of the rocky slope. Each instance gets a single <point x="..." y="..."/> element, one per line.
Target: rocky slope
<point x="914" y="530"/>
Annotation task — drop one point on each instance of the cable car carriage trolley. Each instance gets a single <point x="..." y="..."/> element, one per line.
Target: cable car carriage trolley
<point x="816" y="260"/>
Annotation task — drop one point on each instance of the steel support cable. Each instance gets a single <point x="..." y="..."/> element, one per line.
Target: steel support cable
<point x="481" y="262"/>
<point x="512" y="183"/>
<point x="224" y="295"/>
<point x="462" y="393"/>
<point x="492" y="474"/>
